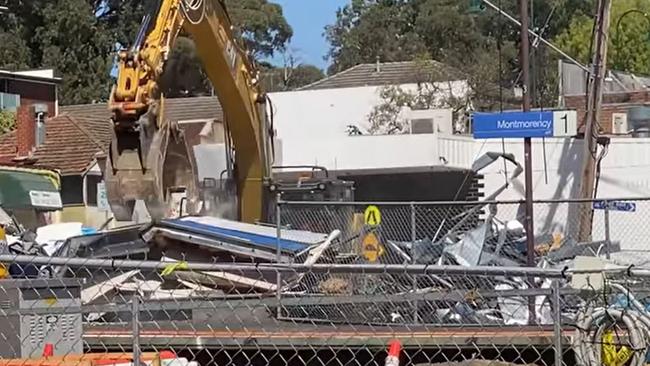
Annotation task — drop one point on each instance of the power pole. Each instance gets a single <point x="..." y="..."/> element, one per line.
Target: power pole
<point x="594" y="102"/>
<point x="524" y="54"/>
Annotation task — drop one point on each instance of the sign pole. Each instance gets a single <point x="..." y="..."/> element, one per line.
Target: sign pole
<point x="528" y="150"/>
<point x="528" y="158"/>
<point x="608" y="247"/>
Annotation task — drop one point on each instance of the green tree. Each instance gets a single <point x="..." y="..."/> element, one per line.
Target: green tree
<point x="302" y="75"/>
<point x="368" y="30"/>
<point x="446" y="31"/>
<point x="77" y="48"/>
<point x="63" y="35"/>
<point x="262" y="24"/>
<point x="77" y="38"/>
<point x="629" y="44"/>
<point x="7" y="121"/>
<point x="121" y="18"/>
<point x="289" y="77"/>
<point x="183" y="73"/>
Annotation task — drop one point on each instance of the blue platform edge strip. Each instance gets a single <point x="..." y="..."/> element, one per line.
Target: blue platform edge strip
<point x="250" y="238"/>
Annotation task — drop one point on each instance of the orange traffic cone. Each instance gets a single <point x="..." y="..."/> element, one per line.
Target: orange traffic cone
<point x="394" y="349"/>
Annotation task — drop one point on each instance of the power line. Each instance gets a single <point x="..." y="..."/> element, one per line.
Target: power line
<point x="537" y="36"/>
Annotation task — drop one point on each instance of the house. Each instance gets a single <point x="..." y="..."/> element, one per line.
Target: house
<point x="68" y="146"/>
<point x="311" y="125"/>
<point x="32" y="93"/>
<point x="622" y="92"/>
<point x="33" y="88"/>
<point x="69" y="142"/>
<point x="328" y="123"/>
<point x="388" y="73"/>
<point x="191" y="114"/>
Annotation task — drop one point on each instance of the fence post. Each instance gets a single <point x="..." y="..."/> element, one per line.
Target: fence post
<point x="608" y="248"/>
<point x="557" y="323"/>
<point x="135" y="319"/>
<point x="415" y="277"/>
<point x="278" y="254"/>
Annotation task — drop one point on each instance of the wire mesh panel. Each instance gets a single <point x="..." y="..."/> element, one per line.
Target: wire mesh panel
<point x="335" y="283"/>
<point x="322" y="314"/>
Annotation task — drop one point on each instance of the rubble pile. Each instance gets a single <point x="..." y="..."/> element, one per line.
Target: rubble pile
<point x="337" y="297"/>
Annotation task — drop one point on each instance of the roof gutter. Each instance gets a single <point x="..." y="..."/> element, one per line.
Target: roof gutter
<point x="18" y="77"/>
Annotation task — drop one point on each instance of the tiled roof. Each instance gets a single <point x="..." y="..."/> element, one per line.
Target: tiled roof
<point x="71" y="143"/>
<point x="388" y="73"/>
<point x="176" y="109"/>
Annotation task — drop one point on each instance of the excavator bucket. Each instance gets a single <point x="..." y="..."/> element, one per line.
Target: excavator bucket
<point x="155" y="165"/>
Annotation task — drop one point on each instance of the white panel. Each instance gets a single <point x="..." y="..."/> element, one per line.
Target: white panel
<point x="211" y="160"/>
<point x="619" y="123"/>
<point x="565" y="123"/>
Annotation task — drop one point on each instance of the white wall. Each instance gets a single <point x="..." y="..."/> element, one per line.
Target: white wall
<point x="362" y="152"/>
<point x="625" y="174"/>
<point x="311" y="127"/>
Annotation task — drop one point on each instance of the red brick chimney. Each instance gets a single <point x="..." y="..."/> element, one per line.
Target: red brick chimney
<point x="25" y="131"/>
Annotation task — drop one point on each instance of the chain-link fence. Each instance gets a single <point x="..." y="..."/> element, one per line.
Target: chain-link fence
<point x="446" y="280"/>
<point x="118" y="310"/>
<point x="477" y="233"/>
<point x="323" y="314"/>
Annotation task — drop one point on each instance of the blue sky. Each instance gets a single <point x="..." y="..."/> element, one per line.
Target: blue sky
<point x="308" y="19"/>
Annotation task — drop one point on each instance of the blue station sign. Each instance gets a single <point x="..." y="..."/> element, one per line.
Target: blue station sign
<point x="524" y="124"/>
<point x="513" y="124"/>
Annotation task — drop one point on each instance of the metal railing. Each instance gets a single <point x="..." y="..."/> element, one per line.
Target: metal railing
<point x="446" y="280"/>
<point x="329" y="313"/>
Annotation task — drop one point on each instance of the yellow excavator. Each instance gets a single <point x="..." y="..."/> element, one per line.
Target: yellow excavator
<point x="149" y="158"/>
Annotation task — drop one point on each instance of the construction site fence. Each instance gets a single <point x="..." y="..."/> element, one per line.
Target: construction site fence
<point x="615" y="225"/>
<point x="320" y="314"/>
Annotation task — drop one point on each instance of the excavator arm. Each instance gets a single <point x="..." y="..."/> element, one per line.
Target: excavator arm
<point x="149" y="157"/>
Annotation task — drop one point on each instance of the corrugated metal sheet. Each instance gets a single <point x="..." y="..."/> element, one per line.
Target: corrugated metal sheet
<point x="574" y="81"/>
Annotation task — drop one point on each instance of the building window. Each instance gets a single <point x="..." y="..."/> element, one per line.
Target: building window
<point x="9" y="101"/>
<point x="91" y="189"/>
<point x="40" y="129"/>
<point x="72" y="190"/>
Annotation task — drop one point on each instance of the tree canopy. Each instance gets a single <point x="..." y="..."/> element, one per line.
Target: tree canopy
<point x="629" y="37"/>
<point x="79" y="40"/>
<point x="61" y="34"/>
<point x="483" y="45"/>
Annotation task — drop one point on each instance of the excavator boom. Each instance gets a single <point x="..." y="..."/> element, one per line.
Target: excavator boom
<point x="149" y="156"/>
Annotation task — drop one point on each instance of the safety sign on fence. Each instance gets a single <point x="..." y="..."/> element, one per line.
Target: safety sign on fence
<point x="615" y="206"/>
<point x="372" y="216"/>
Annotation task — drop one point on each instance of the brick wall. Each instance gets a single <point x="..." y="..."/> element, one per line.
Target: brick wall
<point x="32" y="92"/>
<point x="25" y="131"/>
<point x="612" y="103"/>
